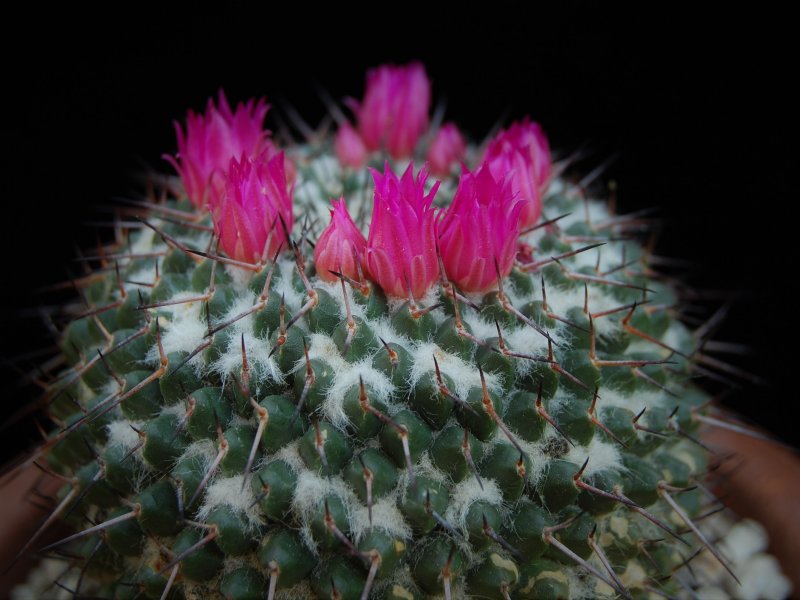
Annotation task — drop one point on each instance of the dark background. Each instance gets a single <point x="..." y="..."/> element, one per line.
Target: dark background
<point x="696" y="106"/>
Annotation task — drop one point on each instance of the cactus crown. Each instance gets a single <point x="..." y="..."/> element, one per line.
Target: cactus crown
<point x="482" y="393"/>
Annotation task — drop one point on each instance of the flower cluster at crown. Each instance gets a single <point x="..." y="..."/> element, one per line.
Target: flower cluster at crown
<point x="229" y="165"/>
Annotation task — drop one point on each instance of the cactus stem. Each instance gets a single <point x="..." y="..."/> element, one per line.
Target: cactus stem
<point x="663" y="490"/>
<point x="99" y="527"/>
<point x="560" y="370"/>
<point x="274" y="573"/>
<point x="593" y="416"/>
<point x="375" y="563"/>
<point x="403" y="433"/>
<point x="465" y="449"/>
<point x="173" y="574"/>
<point x="508" y="307"/>
<point x="223" y="450"/>
<point x="488" y="406"/>
<point x="392" y="354"/>
<point x="489" y="532"/>
<point x="503" y="349"/>
<point x="547" y="536"/>
<point x="335" y="595"/>
<point x="543" y="224"/>
<point x="368" y="478"/>
<point x="635" y="421"/>
<point x="598" y="550"/>
<point x="444" y="390"/>
<point x="447" y="574"/>
<point x="647" y="515"/>
<point x="633" y="331"/>
<point x="644" y="376"/>
<point x="319" y="444"/>
<point x="309" y="381"/>
<point x="262" y="494"/>
<point x="535" y="266"/>
<point x="263" y="419"/>
<point x="621" y="267"/>
<point x="540" y="409"/>
<point x="97" y="477"/>
<point x="439" y="518"/>
<point x="331" y="526"/>
<point x="351" y="324"/>
<point x="212" y="534"/>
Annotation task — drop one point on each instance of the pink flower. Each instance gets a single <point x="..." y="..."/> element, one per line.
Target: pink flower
<point x="339" y="245"/>
<point x="349" y="147"/>
<point x="480" y="227"/>
<point x="528" y="134"/>
<point x="516" y="166"/>
<point x="523" y="151"/>
<point x="402" y="237"/>
<point x="446" y="149"/>
<point x="248" y="205"/>
<point x="212" y="139"/>
<point x="394" y="113"/>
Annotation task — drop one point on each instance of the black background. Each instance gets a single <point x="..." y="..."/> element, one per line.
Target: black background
<point x="696" y="106"/>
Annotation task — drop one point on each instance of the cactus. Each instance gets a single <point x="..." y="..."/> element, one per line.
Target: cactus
<point x="486" y="396"/>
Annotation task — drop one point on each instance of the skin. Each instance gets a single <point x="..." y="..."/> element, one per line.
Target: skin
<point x="20" y="519"/>
<point x="762" y="481"/>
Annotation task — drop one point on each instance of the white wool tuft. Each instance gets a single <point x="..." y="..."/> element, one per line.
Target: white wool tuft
<point x="425" y="467"/>
<point x="633" y="402"/>
<point x="283" y="284"/>
<point x="527" y="340"/>
<point x="205" y="448"/>
<point x="301" y="591"/>
<point x="121" y="433"/>
<point x="145" y="240"/>
<point x="610" y="256"/>
<point x="467" y="492"/>
<point x="386" y="517"/>
<point x="382" y="328"/>
<point x="602" y="455"/>
<point x="227" y="491"/>
<point x="183" y="332"/>
<point x="481" y="328"/>
<point x="382" y="388"/>
<point x="179" y="410"/>
<point x="262" y="367"/>
<point x="535" y="451"/>
<point x="291" y="455"/>
<point x="464" y="375"/>
<point x="240" y="278"/>
<point x="346" y="375"/>
<point x="312" y="488"/>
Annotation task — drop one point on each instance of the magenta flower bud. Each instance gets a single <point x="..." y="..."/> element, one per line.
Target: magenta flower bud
<point x="212" y="139"/>
<point x="394" y="112"/>
<point x="478" y="230"/>
<point x="446" y="149"/>
<point x="248" y="205"/>
<point x="341" y="247"/>
<point x="401" y="248"/>
<point x="349" y="147"/>
<point x="524" y="152"/>
<point x="516" y="166"/>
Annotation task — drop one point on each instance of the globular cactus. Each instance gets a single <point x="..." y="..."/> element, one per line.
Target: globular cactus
<point x="468" y="381"/>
